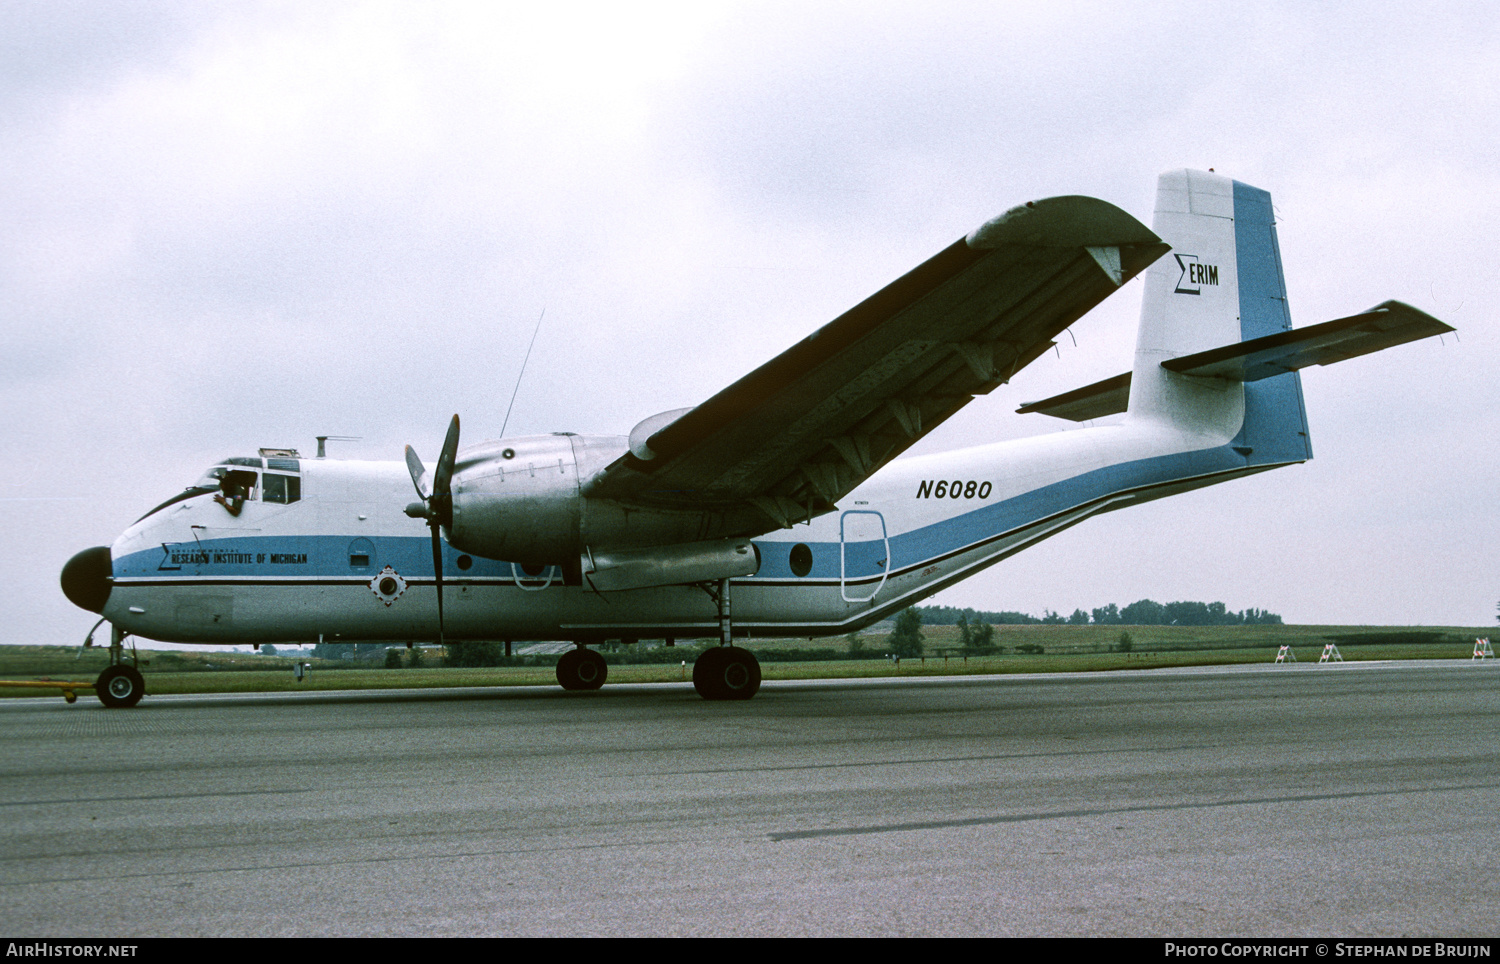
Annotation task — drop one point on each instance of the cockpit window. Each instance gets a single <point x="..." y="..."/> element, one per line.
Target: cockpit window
<point x="282" y="489"/>
<point x="211" y="477"/>
<point x="236" y="480"/>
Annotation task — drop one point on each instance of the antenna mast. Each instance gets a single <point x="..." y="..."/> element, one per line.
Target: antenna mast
<point x="522" y="372"/>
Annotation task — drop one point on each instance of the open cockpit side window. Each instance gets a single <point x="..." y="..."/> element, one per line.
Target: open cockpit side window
<point x="236" y="488"/>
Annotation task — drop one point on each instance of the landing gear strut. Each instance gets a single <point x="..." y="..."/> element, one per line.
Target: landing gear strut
<point x="726" y="672"/>
<point x="581" y="669"/>
<point x="119" y="686"/>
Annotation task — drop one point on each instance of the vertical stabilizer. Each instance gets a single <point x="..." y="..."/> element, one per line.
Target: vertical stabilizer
<point x="1221" y="284"/>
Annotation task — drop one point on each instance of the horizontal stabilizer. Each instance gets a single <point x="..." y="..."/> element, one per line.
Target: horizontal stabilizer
<point x="1384" y="326"/>
<point x="1108" y="397"/>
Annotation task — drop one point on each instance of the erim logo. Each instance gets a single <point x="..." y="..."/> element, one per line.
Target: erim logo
<point x="1194" y="275"/>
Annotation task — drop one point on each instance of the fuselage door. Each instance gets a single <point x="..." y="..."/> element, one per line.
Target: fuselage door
<point x="864" y="555"/>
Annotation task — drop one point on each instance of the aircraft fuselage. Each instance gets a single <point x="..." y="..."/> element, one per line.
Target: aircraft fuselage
<point x="345" y="562"/>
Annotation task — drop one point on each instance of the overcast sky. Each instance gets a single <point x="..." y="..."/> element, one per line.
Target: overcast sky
<point x="231" y="225"/>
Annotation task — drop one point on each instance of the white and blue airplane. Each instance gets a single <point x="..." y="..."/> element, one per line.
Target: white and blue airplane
<point x="783" y="492"/>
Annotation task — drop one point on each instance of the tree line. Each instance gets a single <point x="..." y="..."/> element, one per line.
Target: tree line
<point x="1144" y="612"/>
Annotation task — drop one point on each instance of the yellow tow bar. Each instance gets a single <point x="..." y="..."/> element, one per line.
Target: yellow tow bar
<point x="68" y="688"/>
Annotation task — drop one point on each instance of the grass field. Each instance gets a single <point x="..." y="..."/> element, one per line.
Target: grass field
<point x="1064" y="649"/>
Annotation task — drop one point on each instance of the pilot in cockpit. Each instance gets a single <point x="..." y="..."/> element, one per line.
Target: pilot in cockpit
<point x="234" y="487"/>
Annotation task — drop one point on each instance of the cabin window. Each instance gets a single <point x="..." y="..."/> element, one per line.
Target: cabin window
<point x="800" y="559"/>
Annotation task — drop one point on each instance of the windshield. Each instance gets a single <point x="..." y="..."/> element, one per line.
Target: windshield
<point x="187" y="493"/>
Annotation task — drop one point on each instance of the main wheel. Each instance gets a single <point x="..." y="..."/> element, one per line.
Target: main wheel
<point x="581" y="669"/>
<point x="726" y="673"/>
<point x="120" y="686"/>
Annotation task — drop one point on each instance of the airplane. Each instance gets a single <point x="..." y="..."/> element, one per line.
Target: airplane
<point x="784" y="492"/>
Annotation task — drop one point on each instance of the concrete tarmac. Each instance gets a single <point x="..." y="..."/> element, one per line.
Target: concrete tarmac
<point x="1340" y="801"/>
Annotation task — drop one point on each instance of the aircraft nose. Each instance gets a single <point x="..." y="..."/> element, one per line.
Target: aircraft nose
<point x="88" y="577"/>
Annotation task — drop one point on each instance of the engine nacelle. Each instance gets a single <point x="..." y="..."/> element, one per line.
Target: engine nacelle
<point x="517" y="500"/>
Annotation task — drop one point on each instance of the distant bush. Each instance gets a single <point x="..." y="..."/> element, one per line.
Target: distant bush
<point x="481" y="653"/>
<point x="1391" y="639"/>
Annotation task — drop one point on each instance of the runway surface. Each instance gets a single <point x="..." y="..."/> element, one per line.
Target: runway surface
<point x="1353" y="800"/>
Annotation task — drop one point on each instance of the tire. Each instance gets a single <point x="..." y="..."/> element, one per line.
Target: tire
<point x="119" y="687"/>
<point x="726" y="673"/>
<point x="581" y="669"/>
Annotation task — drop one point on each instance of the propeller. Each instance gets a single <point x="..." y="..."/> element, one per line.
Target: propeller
<point x="436" y="507"/>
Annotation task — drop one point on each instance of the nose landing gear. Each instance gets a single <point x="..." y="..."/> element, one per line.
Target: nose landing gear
<point x="119" y="686"/>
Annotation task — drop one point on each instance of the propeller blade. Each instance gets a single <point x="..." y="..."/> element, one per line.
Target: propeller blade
<point x="436" y="506"/>
<point x="418" y="472"/>
<point x="442" y="483"/>
<point x="437" y="568"/>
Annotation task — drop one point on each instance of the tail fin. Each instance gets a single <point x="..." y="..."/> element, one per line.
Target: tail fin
<point x="1222" y="284"/>
<point x="1216" y="356"/>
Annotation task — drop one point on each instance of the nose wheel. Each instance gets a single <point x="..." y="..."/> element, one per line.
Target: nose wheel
<point x="120" y="685"/>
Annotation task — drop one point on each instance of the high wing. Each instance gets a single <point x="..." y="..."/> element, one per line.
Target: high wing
<point x="797" y="434"/>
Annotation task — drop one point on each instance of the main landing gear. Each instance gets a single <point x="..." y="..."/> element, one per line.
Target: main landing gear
<point x="725" y="672"/>
<point x="581" y="669"/>
<point x="119" y="686"/>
